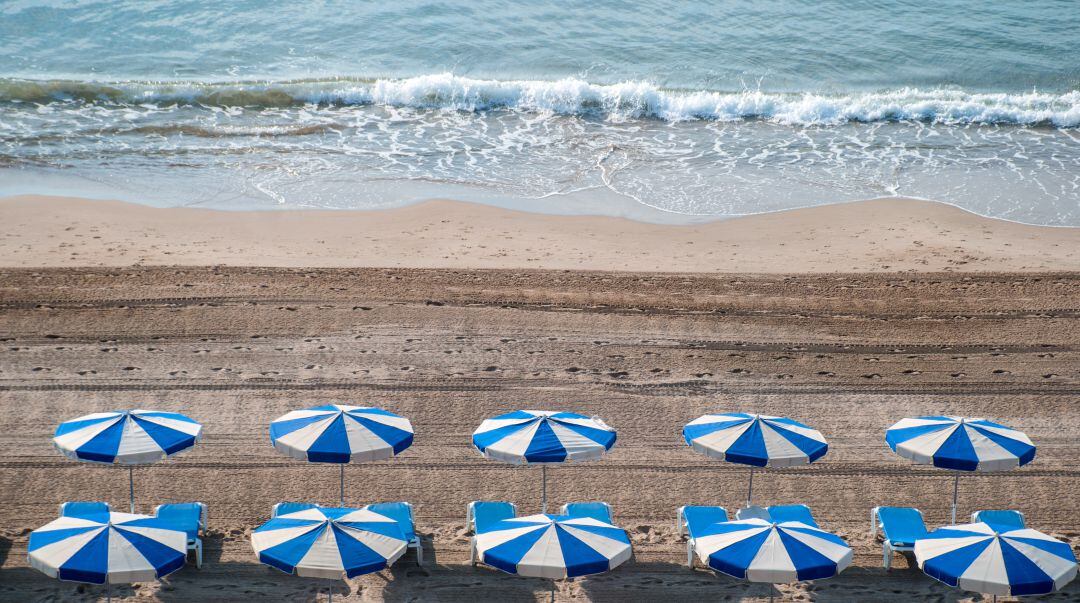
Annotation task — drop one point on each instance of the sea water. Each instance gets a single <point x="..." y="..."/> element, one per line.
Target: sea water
<point x="664" y="111"/>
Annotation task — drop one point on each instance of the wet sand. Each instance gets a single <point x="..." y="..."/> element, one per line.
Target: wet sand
<point x="235" y="347"/>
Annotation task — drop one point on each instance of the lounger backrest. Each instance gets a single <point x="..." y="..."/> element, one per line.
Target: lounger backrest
<point x="902" y="525"/>
<point x="284" y="508"/>
<point x="754" y="512"/>
<point x="487" y="513"/>
<point x="83" y="508"/>
<point x="400" y="512"/>
<point x="800" y="513"/>
<point x="597" y="510"/>
<point x="698" y="518"/>
<point x="186" y="516"/>
<point x="1001" y="517"/>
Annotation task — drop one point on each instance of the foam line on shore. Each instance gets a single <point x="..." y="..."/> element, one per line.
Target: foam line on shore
<point x="571" y="96"/>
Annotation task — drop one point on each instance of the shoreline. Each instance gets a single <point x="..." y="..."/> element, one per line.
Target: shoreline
<point x="888" y="234"/>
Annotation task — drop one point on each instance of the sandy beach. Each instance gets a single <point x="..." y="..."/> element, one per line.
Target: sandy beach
<point x="893" y="235"/>
<point x="469" y="311"/>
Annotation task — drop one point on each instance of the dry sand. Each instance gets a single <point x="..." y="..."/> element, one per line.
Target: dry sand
<point x="881" y="235"/>
<point x="235" y="347"/>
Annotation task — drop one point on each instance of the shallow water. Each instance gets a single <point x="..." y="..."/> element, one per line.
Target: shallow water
<point x="671" y="111"/>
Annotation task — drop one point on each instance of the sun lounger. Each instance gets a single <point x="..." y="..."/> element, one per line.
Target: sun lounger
<point x="597" y="510"/>
<point x="753" y="512"/>
<point x="189" y="517"/>
<point x="691" y="520"/>
<point x="482" y="514"/>
<point x="1000" y="517"/>
<point x="284" y="508"/>
<point x="901" y="526"/>
<point x="402" y="513"/>
<point x="83" y="508"/>
<point x="800" y="513"/>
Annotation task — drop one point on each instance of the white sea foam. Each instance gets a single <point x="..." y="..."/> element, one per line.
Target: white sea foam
<point x="613" y="102"/>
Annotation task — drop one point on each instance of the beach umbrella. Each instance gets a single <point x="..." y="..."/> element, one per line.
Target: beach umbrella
<point x="553" y="546"/>
<point x="755" y="440"/>
<point x="333" y="543"/>
<point x="763" y="551"/>
<point x="960" y="444"/>
<point x="127" y="437"/>
<point x="338" y="433"/>
<point x="543" y="437"/>
<point x="107" y="548"/>
<point x="997" y="560"/>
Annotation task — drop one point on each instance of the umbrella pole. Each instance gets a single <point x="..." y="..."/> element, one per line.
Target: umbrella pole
<point x="543" y="489"/>
<point x="342" y="485"/>
<point x="131" y="486"/>
<point x="750" y="488"/>
<point x="108" y="590"/>
<point x="955" y="488"/>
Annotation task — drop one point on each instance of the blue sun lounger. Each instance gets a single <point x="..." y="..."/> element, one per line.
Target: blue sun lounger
<point x="189" y="517"/>
<point x="82" y="508"/>
<point x="597" y="510"/>
<point x="691" y="520"/>
<point x="901" y="527"/>
<point x="402" y="513"/>
<point x="800" y="513"/>
<point x="481" y="515"/>
<point x="1000" y="517"/>
<point x="284" y="508"/>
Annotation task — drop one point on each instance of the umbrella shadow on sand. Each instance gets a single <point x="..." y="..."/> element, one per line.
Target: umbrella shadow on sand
<point x="461" y="582"/>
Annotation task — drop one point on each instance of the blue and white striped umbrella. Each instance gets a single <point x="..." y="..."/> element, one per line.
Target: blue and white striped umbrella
<point x="129" y="437"/>
<point x="553" y="546"/>
<point x="755" y="440"/>
<point x="540" y="436"/>
<point x="337" y="433"/>
<point x="543" y="437"/>
<point x="1014" y="562"/>
<point x="761" y="551"/>
<point x="107" y="548"/>
<point x="960" y="444"/>
<point x="330" y="543"/>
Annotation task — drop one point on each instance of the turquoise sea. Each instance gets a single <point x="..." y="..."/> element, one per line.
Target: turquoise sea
<point x="666" y="111"/>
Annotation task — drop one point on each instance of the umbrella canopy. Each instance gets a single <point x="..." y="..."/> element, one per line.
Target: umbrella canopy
<point x="107" y="548"/>
<point x="540" y="436"/>
<point x="126" y="437"/>
<point x="762" y="551"/>
<point x="960" y="444"/>
<point x="543" y="437"/>
<point x="755" y="440"/>
<point x="978" y="557"/>
<point x="553" y="546"/>
<point x="337" y="433"/>
<point x="330" y="543"/>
